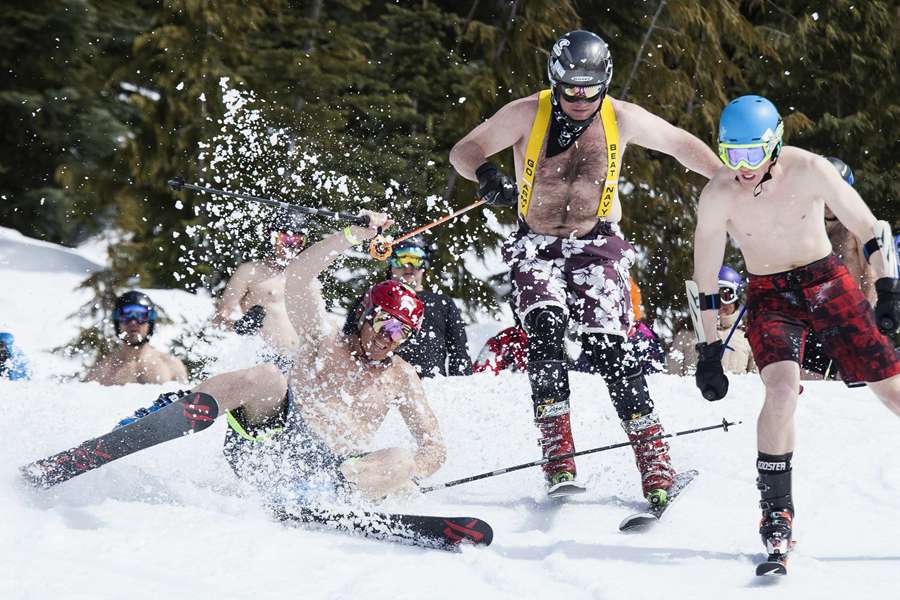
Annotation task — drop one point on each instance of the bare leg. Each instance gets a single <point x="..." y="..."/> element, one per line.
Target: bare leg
<point x="888" y="391"/>
<point x="775" y="427"/>
<point x="380" y="473"/>
<point x="260" y="390"/>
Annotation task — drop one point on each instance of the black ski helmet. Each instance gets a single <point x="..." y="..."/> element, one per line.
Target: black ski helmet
<point x="131" y="298"/>
<point x="580" y="58"/>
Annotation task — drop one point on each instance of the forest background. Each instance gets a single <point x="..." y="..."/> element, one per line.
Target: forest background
<point x="102" y="101"/>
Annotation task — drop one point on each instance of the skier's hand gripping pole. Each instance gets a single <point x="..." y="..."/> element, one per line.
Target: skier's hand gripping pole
<point x="178" y="184"/>
<point x="381" y="248"/>
<point x="724" y="425"/>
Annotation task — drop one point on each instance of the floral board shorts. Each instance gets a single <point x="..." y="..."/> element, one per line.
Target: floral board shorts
<point x="822" y="297"/>
<point x="587" y="277"/>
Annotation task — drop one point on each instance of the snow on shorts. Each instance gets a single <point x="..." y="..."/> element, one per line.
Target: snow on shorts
<point x="282" y="453"/>
<point x="587" y="277"/>
<point x="822" y="297"/>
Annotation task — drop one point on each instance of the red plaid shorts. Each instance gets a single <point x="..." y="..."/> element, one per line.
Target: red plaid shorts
<point x="822" y="297"/>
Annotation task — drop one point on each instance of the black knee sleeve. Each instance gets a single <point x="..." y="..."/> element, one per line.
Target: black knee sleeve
<point x="546" y="329"/>
<point x="622" y="373"/>
<point x="774" y="482"/>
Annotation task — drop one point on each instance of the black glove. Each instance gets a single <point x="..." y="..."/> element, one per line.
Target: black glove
<point x="252" y="320"/>
<point x="710" y="377"/>
<point x="887" y="307"/>
<point x="495" y="188"/>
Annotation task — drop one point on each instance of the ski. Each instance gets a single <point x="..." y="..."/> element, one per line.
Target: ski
<point x="188" y="415"/>
<point x="776" y="563"/>
<point x="441" y="533"/>
<point x="565" y="489"/>
<point x="653" y="514"/>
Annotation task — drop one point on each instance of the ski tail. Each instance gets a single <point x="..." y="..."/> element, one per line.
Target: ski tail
<point x="190" y="414"/>
<point x="442" y="533"/>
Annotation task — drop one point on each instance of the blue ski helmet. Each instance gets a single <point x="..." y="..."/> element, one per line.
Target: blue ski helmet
<point x="843" y="168"/>
<point x="749" y="122"/>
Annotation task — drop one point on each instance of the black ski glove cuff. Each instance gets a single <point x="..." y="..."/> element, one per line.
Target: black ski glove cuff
<point x="887" y="306"/>
<point x="710" y="377"/>
<point x="495" y="188"/>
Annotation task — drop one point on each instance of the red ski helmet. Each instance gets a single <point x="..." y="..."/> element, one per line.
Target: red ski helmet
<point x="395" y="298"/>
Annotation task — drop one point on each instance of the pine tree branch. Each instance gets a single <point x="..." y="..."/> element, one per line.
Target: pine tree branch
<point x="624" y="94"/>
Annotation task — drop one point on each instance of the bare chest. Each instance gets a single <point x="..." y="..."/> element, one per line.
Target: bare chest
<point x="778" y="230"/>
<point x="568" y="186"/>
<point x="267" y="289"/>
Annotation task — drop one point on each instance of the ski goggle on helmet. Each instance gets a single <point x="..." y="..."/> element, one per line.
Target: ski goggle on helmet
<point x="387" y="324"/>
<point x="134" y="312"/>
<point x="409" y="256"/>
<point x="730" y="284"/>
<point x="750" y="132"/>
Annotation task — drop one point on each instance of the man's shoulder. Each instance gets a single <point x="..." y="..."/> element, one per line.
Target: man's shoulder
<point x="803" y="161"/>
<point x="721" y="182"/>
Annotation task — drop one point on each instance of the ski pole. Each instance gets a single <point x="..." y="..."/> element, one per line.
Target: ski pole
<point x="178" y="184"/>
<point x="724" y="425"/>
<point x="381" y="249"/>
<point x="733" y="328"/>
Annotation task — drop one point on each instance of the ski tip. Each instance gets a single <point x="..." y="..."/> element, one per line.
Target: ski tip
<point x="771" y="568"/>
<point x="468" y="531"/>
<point x="637" y="522"/>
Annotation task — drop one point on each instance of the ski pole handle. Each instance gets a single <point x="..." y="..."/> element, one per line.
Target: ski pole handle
<point x="724" y="425"/>
<point x="178" y="184"/>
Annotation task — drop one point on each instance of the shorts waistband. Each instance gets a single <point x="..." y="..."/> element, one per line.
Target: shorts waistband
<point x="799" y="278"/>
<point x="600" y="228"/>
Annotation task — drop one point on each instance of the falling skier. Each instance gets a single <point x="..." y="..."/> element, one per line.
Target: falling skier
<point x="771" y="200"/>
<point x="303" y="439"/>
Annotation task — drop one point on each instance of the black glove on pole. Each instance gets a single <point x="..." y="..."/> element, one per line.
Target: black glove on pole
<point x="495" y="188"/>
<point x="710" y="376"/>
<point x="887" y="306"/>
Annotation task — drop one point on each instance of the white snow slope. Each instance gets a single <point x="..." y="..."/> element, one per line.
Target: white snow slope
<point x="171" y="522"/>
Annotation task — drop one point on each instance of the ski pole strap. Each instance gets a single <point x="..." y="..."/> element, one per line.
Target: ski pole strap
<point x="724" y="425"/>
<point x="179" y="184"/>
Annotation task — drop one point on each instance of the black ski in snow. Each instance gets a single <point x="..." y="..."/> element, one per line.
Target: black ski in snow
<point x="188" y="415"/>
<point x="442" y="533"/>
<point x="653" y="514"/>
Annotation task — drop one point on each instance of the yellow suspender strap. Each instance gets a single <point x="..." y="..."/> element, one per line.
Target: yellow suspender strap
<point x="611" y="129"/>
<point x="535" y="141"/>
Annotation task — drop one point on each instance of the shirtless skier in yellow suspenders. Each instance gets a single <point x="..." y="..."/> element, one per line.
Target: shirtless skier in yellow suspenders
<point x="569" y="260"/>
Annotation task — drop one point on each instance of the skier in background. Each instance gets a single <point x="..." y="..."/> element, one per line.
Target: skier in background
<point x="13" y="363"/>
<point x="134" y="360"/>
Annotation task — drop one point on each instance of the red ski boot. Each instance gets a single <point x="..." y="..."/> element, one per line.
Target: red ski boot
<point x="652" y="457"/>
<point x="556" y="440"/>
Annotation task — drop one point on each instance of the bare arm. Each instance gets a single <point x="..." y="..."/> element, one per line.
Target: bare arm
<point x="302" y="298"/>
<point x="710" y="238"/>
<point x="237" y="288"/>
<point x="501" y="131"/>
<point x="847" y="206"/>
<point x="431" y="452"/>
<point x="645" y="129"/>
